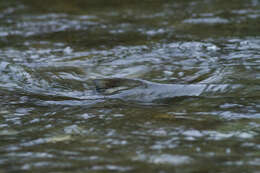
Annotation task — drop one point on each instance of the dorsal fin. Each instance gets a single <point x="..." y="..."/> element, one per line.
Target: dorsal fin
<point x="113" y="85"/>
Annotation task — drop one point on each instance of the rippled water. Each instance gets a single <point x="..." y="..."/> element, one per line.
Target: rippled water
<point x="129" y="86"/>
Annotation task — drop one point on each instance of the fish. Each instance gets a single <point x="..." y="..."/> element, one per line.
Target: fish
<point x="138" y="90"/>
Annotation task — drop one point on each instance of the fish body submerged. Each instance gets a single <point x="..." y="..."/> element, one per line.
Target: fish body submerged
<point x="143" y="91"/>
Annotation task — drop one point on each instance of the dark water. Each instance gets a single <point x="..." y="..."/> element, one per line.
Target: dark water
<point x="130" y="86"/>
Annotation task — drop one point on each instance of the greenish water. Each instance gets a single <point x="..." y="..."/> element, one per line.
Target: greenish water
<point x="130" y="86"/>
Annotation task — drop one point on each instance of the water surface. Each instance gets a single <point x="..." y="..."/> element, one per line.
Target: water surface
<point x="55" y="117"/>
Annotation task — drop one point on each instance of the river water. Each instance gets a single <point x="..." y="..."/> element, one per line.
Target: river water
<point x="130" y="86"/>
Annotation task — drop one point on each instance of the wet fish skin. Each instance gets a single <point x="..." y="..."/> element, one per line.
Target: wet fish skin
<point x="144" y="91"/>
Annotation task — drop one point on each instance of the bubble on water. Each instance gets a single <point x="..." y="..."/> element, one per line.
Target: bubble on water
<point x="228" y="150"/>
